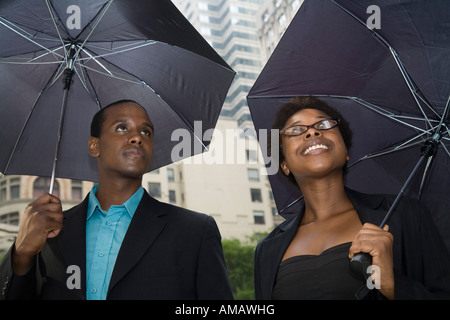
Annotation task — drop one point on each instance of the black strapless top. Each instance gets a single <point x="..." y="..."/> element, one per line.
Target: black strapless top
<point x="318" y="277"/>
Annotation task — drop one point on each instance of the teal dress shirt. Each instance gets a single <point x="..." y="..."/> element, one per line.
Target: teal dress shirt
<point x="105" y="231"/>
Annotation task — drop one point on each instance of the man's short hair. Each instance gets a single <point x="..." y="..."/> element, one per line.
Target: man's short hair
<point x="99" y="118"/>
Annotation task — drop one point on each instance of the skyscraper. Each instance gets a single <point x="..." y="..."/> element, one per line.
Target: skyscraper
<point x="231" y="28"/>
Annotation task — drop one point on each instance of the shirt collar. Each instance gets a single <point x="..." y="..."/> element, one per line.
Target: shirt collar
<point x="130" y="205"/>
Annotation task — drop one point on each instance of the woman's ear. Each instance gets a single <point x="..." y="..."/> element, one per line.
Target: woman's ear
<point x="93" y="147"/>
<point x="285" y="168"/>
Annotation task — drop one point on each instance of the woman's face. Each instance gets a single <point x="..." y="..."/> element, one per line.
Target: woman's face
<point x="315" y="153"/>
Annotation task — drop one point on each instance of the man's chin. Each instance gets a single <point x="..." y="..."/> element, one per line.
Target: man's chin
<point x="134" y="173"/>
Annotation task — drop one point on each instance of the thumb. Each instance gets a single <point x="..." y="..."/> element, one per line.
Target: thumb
<point x="53" y="233"/>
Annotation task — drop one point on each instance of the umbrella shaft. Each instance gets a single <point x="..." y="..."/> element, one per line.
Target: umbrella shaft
<point x="402" y="191"/>
<point x="58" y="140"/>
<point x="69" y="69"/>
<point x="67" y="82"/>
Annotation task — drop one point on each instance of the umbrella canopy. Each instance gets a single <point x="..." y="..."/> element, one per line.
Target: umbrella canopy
<point x="61" y="61"/>
<point x="390" y="83"/>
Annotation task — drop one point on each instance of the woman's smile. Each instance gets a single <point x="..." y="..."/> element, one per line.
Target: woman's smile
<point x="315" y="147"/>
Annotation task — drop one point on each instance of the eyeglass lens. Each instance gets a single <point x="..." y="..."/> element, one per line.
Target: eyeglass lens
<point x="321" y="125"/>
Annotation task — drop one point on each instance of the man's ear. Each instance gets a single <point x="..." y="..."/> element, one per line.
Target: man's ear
<point x="285" y="168"/>
<point x="93" y="147"/>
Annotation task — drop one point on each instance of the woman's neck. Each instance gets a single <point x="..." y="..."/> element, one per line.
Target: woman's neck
<point x="324" y="198"/>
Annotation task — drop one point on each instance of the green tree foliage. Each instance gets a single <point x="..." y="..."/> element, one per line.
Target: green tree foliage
<point x="239" y="259"/>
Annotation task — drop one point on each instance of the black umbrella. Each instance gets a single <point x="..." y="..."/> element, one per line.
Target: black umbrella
<point x="61" y="61"/>
<point x="392" y="84"/>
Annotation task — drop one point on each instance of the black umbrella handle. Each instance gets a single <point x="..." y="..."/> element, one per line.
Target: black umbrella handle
<point x="360" y="262"/>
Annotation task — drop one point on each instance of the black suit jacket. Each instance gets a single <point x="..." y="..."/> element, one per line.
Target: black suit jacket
<point x="421" y="259"/>
<point x="167" y="253"/>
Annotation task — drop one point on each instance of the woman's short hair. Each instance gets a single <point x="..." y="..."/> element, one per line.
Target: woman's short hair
<point x="297" y="104"/>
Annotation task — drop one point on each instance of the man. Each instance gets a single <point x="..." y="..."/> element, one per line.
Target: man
<point x="119" y="243"/>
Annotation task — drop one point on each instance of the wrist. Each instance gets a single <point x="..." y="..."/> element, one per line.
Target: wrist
<point x="387" y="288"/>
<point x="21" y="262"/>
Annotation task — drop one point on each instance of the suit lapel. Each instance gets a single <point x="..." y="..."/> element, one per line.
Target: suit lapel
<point x="142" y="232"/>
<point x="71" y="242"/>
<point x="368" y="206"/>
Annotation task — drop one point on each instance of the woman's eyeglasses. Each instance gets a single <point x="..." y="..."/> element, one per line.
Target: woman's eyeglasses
<point x="298" y="129"/>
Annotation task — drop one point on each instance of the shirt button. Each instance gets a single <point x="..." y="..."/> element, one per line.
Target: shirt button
<point x="101" y="254"/>
<point x="108" y="223"/>
<point x="93" y="290"/>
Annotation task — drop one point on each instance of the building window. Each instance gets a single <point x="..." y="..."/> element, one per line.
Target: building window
<point x="252" y="156"/>
<point x="274" y="211"/>
<point x="14" y="188"/>
<point x="170" y="174"/>
<point x="154" y="189"/>
<point x="282" y="20"/>
<point x="258" y="217"/>
<point x="172" y="197"/>
<point x="203" y="18"/>
<point x="10" y="218"/>
<point x="42" y="185"/>
<point x="295" y="5"/>
<point x="253" y="174"/>
<point x="266" y="16"/>
<point x="2" y="190"/>
<point x="256" y="195"/>
<point x="77" y="189"/>
<point x="9" y="189"/>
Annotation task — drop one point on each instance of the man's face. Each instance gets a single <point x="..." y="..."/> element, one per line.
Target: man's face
<point x="124" y="148"/>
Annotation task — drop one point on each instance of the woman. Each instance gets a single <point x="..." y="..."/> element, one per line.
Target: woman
<point x="307" y="256"/>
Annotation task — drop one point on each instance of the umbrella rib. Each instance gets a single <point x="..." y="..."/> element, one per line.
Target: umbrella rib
<point x="290" y="204"/>
<point x="395" y="117"/>
<point x="445" y="148"/>
<point x="47" y="53"/>
<point x="29" y="63"/>
<point x="409" y="83"/>
<point x="387" y="114"/>
<point x="87" y="78"/>
<point x="170" y="110"/>
<point x="360" y="101"/>
<point x="82" y="77"/>
<point x="93" y="45"/>
<point x="95" y="60"/>
<point x="53" y="15"/>
<point x="32" y="61"/>
<point x="99" y="17"/>
<point x="48" y="85"/>
<point x="412" y="88"/>
<point x="144" y="44"/>
<point x="21" y="131"/>
<point x="142" y="82"/>
<point x="25" y="36"/>
<point x="424" y="175"/>
<point x="112" y="75"/>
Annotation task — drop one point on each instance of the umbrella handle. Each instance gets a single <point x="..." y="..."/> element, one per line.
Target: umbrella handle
<point x="360" y="262"/>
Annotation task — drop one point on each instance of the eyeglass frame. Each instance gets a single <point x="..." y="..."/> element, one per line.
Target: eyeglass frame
<point x="283" y="131"/>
